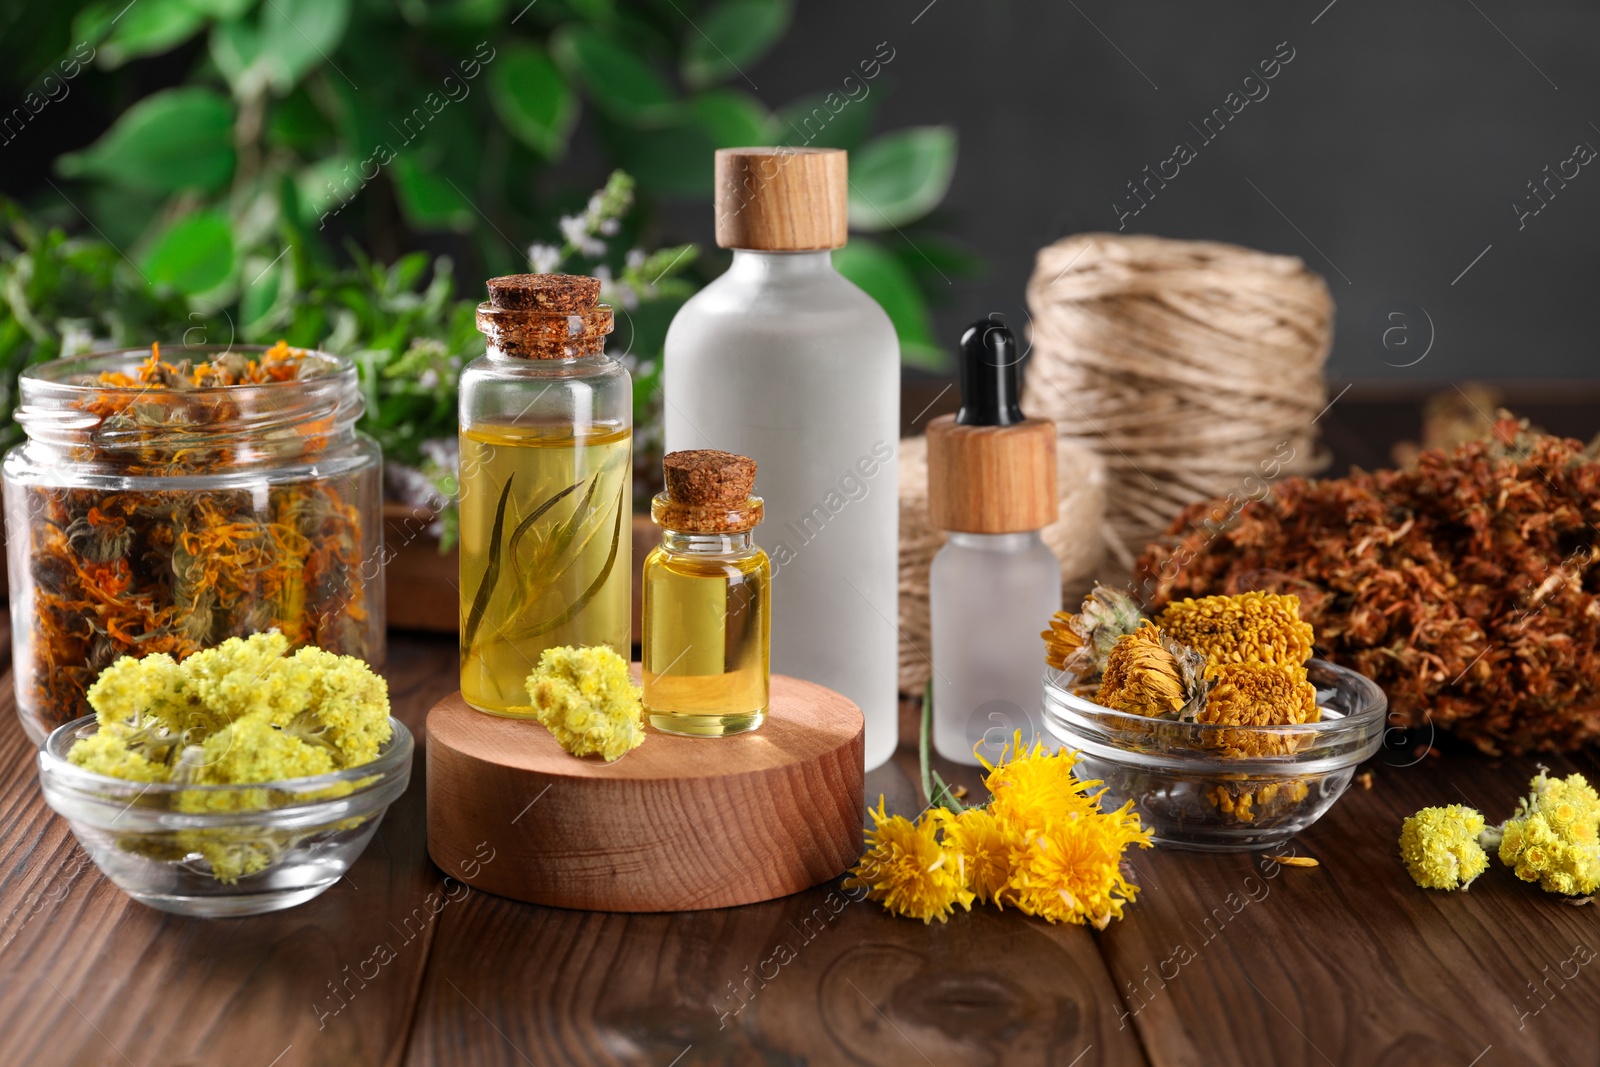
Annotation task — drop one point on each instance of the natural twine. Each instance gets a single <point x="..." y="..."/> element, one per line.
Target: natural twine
<point x="1075" y="537"/>
<point x="1187" y="365"/>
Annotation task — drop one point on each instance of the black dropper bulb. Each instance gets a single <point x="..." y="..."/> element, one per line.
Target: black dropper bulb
<point x="989" y="378"/>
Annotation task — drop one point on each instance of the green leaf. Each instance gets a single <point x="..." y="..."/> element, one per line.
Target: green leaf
<point x="429" y="200"/>
<point x="901" y="176"/>
<point x="827" y="120"/>
<point x="532" y="99"/>
<point x="733" y="35"/>
<point x="236" y="50"/>
<point x="171" y="140"/>
<point x="193" y="255"/>
<point x="148" y="28"/>
<point x="268" y="282"/>
<point x="222" y="9"/>
<point x="300" y="34"/>
<point x="618" y="81"/>
<point x="885" y="279"/>
<point x="732" y="119"/>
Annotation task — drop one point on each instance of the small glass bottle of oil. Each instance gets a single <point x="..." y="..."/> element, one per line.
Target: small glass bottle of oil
<point x="546" y="486"/>
<point x="707" y="614"/>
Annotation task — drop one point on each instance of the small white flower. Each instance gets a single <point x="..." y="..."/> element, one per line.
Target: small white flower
<point x="428" y="379"/>
<point x="574" y="228"/>
<point x="635" y="258"/>
<point x="610" y="227"/>
<point x="544" y="258"/>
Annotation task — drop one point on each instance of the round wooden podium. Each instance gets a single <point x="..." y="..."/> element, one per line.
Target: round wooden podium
<point x="678" y="824"/>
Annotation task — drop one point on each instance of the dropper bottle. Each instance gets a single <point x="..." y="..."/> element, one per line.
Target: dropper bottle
<point x="992" y="486"/>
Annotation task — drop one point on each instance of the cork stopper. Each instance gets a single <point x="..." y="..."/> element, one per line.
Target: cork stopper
<point x="707" y="492"/>
<point x="991" y="479"/>
<point x="545" y="316"/>
<point x="782" y="199"/>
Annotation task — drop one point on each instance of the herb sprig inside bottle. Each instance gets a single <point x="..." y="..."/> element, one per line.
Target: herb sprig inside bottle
<point x="546" y="486"/>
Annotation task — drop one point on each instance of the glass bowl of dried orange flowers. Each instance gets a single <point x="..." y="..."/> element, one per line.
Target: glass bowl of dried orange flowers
<point x="1211" y="717"/>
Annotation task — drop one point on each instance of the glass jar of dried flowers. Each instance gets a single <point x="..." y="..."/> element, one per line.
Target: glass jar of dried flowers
<point x="164" y="506"/>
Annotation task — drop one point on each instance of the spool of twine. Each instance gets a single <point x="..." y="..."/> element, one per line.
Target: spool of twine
<point x="1076" y="538"/>
<point x="1188" y="366"/>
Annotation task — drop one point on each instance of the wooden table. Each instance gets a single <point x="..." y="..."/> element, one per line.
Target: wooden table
<point x="1225" y="959"/>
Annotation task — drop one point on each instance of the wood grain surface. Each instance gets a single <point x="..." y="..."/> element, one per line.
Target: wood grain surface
<point x="1223" y="959"/>
<point x="678" y="823"/>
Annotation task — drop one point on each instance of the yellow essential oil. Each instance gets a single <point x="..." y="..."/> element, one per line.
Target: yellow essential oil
<point x="707" y="622"/>
<point x="546" y="551"/>
<point x="708" y="644"/>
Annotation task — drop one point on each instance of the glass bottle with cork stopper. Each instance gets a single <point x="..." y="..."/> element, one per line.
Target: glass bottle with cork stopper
<point x="707" y="609"/>
<point x="992" y="486"/>
<point x="546" y="486"/>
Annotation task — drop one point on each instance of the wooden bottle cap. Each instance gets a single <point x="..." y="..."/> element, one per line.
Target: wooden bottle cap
<point x="707" y="492"/>
<point x="782" y="199"/>
<point x="545" y="316"/>
<point x="991" y="479"/>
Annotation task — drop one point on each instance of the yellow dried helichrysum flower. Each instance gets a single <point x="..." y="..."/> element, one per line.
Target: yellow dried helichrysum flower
<point x="586" y="698"/>
<point x="1570" y="805"/>
<point x="1554" y="837"/>
<point x="240" y="713"/>
<point x="1537" y="852"/>
<point x="1252" y="627"/>
<point x="1440" y="847"/>
<point x="907" y="870"/>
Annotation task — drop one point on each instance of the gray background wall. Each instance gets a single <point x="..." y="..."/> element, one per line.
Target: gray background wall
<point x="1393" y="144"/>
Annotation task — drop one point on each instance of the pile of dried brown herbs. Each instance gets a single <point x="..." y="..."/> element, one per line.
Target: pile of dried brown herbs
<point x="1466" y="587"/>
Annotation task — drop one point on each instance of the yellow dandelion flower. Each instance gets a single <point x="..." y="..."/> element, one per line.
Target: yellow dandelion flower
<point x="908" y="871"/>
<point x="1072" y="871"/>
<point x="984" y="846"/>
<point x="1032" y="788"/>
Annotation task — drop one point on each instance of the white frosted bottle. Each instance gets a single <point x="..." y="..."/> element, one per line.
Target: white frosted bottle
<point x="989" y="597"/>
<point x="783" y="360"/>
<point x="995" y="584"/>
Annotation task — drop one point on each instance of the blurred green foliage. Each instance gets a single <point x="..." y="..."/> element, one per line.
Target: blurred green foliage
<point x="299" y="142"/>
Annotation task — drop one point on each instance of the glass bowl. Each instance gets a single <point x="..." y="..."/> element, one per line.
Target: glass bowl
<point x="222" y="850"/>
<point x="1223" y="788"/>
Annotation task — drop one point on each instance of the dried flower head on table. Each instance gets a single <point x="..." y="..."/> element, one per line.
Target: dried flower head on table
<point x="1552" y="839"/>
<point x="1466" y="587"/>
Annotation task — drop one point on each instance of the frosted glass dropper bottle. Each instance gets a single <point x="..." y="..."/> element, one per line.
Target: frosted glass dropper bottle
<point x="995" y="583"/>
<point x="783" y="359"/>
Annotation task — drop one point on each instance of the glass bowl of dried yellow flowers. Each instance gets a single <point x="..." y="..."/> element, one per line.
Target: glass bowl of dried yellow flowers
<point x="1210" y="717"/>
<point x="243" y="779"/>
